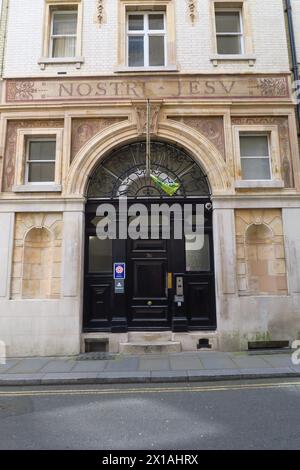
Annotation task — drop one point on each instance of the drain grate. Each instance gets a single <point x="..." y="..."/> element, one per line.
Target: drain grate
<point x="96" y="356"/>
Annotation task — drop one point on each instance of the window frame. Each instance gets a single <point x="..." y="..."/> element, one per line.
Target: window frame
<point x="276" y="180"/>
<point x="28" y="161"/>
<point x="257" y="134"/>
<point x="146" y="33"/>
<point x="248" y="57"/>
<point x="24" y="136"/>
<point x="51" y="7"/>
<point x="57" y="36"/>
<point x="141" y="6"/>
<point x="241" y="35"/>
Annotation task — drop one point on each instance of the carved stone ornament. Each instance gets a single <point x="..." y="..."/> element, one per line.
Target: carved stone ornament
<point x="100" y="11"/>
<point x="83" y="129"/>
<point x="211" y="127"/>
<point x="141" y="118"/>
<point x="192" y="10"/>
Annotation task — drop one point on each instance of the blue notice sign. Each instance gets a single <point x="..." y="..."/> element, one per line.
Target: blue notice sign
<point x="119" y="271"/>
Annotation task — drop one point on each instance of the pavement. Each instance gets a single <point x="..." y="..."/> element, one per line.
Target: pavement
<point x="176" y="367"/>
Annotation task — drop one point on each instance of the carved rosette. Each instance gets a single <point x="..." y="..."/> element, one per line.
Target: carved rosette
<point x="273" y="86"/>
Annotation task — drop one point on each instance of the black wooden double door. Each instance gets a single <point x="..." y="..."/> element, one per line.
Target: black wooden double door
<point x="150" y="300"/>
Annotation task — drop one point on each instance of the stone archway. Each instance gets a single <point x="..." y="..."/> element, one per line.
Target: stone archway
<point x="199" y="147"/>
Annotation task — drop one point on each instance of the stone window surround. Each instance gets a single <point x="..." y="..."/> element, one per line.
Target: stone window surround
<point x="45" y="59"/>
<point x="20" y="184"/>
<point x="146" y="5"/>
<point x="272" y="131"/>
<point x="248" y="55"/>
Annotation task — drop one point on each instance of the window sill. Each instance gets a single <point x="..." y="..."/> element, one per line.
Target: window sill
<point x="37" y="188"/>
<point x="60" y="60"/>
<point x="257" y="184"/>
<point x="169" y="68"/>
<point x="217" y="58"/>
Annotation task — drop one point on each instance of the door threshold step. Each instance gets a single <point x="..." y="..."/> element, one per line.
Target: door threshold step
<point x="150" y="347"/>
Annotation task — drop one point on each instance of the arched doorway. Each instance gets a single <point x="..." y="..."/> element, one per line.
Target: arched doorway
<point x="169" y="279"/>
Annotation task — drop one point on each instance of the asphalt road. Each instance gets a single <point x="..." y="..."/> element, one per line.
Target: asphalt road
<point x="238" y="415"/>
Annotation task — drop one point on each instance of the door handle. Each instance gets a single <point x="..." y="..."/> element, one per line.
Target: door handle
<point x="169" y="282"/>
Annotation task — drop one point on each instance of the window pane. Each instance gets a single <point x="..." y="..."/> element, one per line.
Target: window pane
<point x="197" y="253"/>
<point x="136" y="51"/>
<point x="64" y="47"/>
<point x="254" y="146"/>
<point x="64" y="23"/>
<point x="42" y="150"/>
<point x="41" y="172"/>
<point x="229" y="44"/>
<point x="156" y="22"/>
<point x="156" y="50"/>
<point x="228" y="22"/>
<point x="100" y="255"/>
<point x="136" y="23"/>
<point x="256" y="168"/>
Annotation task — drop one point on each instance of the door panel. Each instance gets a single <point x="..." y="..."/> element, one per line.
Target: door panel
<point x="149" y="279"/>
<point x="148" y="299"/>
<point x="99" y="304"/>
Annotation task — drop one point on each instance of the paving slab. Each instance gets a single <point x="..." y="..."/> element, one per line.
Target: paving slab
<point x="185" y="363"/>
<point x="246" y="362"/>
<point x="278" y="361"/>
<point x="218" y="363"/>
<point x="89" y="366"/>
<point x="9" y="363"/>
<point x="60" y="365"/>
<point x="29" y="365"/>
<point x="154" y="364"/>
<point x="123" y="364"/>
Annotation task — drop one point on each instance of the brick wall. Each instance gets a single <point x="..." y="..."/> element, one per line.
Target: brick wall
<point x="193" y="45"/>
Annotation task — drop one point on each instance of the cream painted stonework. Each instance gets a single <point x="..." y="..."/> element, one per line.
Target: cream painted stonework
<point x="261" y="265"/>
<point x="37" y="256"/>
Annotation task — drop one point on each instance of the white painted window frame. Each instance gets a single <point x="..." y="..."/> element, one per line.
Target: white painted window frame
<point x="240" y="35"/>
<point x="146" y="32"/>
<point x="28" y="162"/>
<point x="60" y="36"/>
<point x="258" y="134"/>
<point x="21" y="184"/>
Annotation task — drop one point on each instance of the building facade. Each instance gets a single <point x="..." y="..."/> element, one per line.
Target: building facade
<point x="78" y="75"/>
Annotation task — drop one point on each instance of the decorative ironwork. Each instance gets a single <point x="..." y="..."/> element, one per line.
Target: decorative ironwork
<point x="124" y="173"/>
